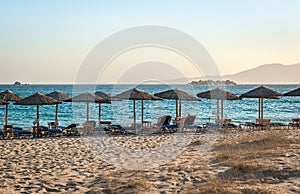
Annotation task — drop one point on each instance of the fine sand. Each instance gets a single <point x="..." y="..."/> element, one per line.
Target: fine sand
<point x="214" y="162"/>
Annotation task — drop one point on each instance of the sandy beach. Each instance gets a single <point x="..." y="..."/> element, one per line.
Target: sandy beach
<point x="232" y="162"/>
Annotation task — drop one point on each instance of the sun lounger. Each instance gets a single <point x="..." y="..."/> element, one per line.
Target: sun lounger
<point x="157" y="128"/>
<point x="71" y="130"/>
<point x="118" y="129"/>
<point x="213" y="126"/>
<point x="260" y="124"/>
<point x="189" y="123"/>
<point x="230" y="126"/>
<point x="19" y="132"/>
<point x="169" y="129"/>
<point x="250" y="125"/>
<point x="183" y="124"/>
<point x="278" y="125"/>
<point x="164" y="126"/>
<point x="54" y="132"/>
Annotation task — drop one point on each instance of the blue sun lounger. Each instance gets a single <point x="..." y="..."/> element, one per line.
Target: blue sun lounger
<point x="19" y="132"/>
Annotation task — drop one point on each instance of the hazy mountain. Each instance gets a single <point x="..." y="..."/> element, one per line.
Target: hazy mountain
<point x="265" y="74"/>
<point x="268" y="74"/>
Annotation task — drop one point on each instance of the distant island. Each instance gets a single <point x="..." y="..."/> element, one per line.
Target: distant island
<point x="17" y="83"/>
<point x="213" y="82"/>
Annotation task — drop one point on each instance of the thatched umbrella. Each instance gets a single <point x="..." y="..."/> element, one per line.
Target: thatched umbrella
<point x="87" y="97"/>
<point x="135" y="94"/>
<point x="37" y="99"/>
<point x="261" y="93"/>
<point x="8" y="95"/>
<point x="57" y="95"/>
<point x="295" y="92"/>
<point x="105" y="96"/>
<point x="60" y="96"/>
<point x="178" y="95"/>
<point x="220" y="95"/>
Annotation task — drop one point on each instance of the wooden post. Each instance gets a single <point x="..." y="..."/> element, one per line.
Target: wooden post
<point x="222" y="109"/>
<point x="176" y="108"/>
<point x="37" y="115"/>
<point x="134" y="114"/>
<point x="56" y="116"/>
<point x="142" y="112"/>
<point x="99" y="114"/>
<point x="6" y="114"/>
<point x="258" y="108"/>
<point x="87" y="111"/>
<point x="218" y="111"/>
<point x="262" y="108"/>
<point x="180" y="115"/>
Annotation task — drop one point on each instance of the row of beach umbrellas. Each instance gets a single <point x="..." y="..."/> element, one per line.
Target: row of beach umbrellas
<point x="218" y="94"/>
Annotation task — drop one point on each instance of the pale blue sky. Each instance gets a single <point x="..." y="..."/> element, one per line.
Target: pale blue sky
<point x="56" y="35"/>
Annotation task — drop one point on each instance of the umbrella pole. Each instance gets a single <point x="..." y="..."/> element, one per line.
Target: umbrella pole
<point x="37" y="115"/>
<point x="87" y="111"/>
<point x="142" y="112"/>
<point x="56" y="116"/>
<point x="180" y="108"/>
<point x="38" y="131"/>
<point x="134" y="114"/>
<point x="258" y="108"/>
<point x="218" y="112"/>
<point x="6" y="114"/>
<point x="222" y="109"/>
<point x="99" y="115"/>
<point x="176" y="108"/>
<point x="262" y="108"/>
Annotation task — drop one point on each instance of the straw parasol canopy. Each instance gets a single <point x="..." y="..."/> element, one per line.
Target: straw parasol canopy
<point x="261" y="93"/>
<point x="135" y="94"/>
<point x="57" y="95"/>
<point x="295" y="92"/>
<point x="106" y="96"/>
<point x="178" y="95"/>
<point x="8" y="95"/>
<point x="37" y="99"/>
<point x="88" y="98"/>
<point x="60" y="96"/>
<point x="220" y="95"/>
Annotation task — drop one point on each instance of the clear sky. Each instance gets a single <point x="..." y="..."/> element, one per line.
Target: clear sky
<point x="46" y="41"/>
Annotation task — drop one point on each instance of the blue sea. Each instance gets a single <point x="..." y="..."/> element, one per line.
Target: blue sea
<point x="121" y="112"/>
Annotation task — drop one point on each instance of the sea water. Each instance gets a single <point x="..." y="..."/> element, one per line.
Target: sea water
<point x="121" y="112"/>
